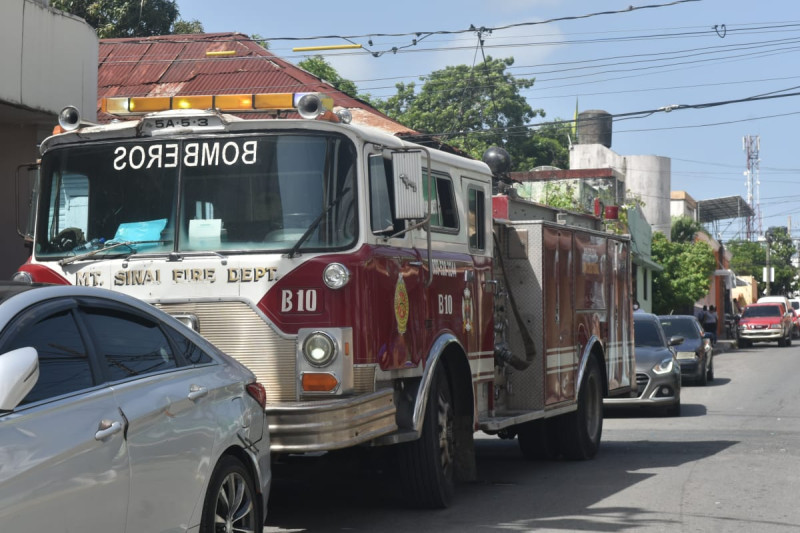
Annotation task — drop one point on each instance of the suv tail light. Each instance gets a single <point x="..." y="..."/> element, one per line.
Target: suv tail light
<point x="258" y="392"/>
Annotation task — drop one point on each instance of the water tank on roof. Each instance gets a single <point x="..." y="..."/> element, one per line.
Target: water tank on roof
<point x="594" y="127"/>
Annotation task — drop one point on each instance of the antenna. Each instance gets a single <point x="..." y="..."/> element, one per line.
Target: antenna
<point x="751" y="145"/>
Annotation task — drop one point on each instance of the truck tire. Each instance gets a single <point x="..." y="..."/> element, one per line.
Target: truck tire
<point x="538" y="439"/>
<point x="426" y="464"/>
<point x="580" y="430"/>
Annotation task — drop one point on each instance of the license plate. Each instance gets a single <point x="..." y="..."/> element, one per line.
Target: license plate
<point x="204" y="123"/>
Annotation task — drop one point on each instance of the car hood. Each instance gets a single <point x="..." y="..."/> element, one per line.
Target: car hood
<point x="760" y="320"/>
<point x="647" y="356"/>
<point x="689" y="345"/>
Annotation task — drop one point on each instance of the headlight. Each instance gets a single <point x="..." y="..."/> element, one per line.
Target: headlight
<point x="336" y="275"/>
<point x="22" y="277"/>
<point x="664" y="366"/>
<point x="776" y="326"/>
<point x="319" y="349"/>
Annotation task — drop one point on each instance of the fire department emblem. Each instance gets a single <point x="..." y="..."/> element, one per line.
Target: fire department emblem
<point x="467" y="310"/>
<point x="401" y="304"/>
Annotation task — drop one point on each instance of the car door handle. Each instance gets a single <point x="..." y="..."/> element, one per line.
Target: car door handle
<point x="196" y="392"/>
<point x="107" y="428"/>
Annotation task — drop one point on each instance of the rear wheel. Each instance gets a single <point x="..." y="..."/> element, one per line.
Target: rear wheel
<point x="231" y="503"/>
<point x="580" y="430"/>
<point x="426" y="465"/>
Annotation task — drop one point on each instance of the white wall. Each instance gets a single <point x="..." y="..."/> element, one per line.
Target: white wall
<point x="649" y="177"/>
<point x="49" y="59"/>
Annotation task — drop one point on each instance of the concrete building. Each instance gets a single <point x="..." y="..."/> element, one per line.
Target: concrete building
<point x="50" y="61"/>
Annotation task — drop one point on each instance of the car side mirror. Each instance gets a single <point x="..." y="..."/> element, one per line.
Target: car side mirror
<point x="676" y="340"/>
<point x="19" y="372"/>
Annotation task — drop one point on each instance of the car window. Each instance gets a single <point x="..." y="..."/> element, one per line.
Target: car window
<point x="680" y="328"/>
<point x="64" y="364"/>
<point x="761" y="310"/>
<point x="129" y="345"/>
<point x="188" y="350"/>
<point x="646" y="333"/>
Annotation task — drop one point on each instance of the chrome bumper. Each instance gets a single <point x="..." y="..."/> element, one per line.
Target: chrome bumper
<point x="330" y="424"/>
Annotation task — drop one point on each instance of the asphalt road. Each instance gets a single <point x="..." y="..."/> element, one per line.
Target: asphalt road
<point x="731" y="462"/>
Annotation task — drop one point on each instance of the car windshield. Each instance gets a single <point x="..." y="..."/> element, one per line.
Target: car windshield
<point x="680" y="327"/>
<point x="221" y="193"/>
<point x="646" y="334"/>
<point x="761" y="311"/>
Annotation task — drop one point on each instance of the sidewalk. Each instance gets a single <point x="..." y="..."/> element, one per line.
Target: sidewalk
<point x="724" y="345"/>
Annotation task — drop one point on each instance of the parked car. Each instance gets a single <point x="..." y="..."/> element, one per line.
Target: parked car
<point x="694" y="354"/>
<point x="765" y="322"/>
<point x="114" y="416"/>
<point x="658" y="374"/>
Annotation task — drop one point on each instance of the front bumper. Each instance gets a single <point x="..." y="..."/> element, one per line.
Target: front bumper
<point x="331" y="424"/>
<point x="654" y="391"/>
<point x="761" y="335"/>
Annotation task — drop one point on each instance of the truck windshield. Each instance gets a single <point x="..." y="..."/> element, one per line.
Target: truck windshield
<point x="225" y="193"/>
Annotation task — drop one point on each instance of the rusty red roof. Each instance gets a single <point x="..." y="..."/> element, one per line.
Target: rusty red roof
<point x="172" y="65"/>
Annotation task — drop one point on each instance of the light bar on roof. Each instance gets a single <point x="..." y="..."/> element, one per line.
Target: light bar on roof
<point x="309" y="105"/>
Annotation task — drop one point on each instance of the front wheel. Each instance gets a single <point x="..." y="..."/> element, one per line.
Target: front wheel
<point x="427" y="464"/>
<point x="231" y="503"/>
<point x="581" y="429"/>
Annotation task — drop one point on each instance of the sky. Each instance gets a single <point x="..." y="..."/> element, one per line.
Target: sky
<point x="676" y="53"/>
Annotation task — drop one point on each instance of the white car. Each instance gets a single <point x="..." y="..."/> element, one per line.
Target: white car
<point x="116" y="417"/>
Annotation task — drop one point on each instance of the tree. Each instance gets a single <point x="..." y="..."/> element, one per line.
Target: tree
<point x="320" y="68"/>
<point x="749" y="259"/>
<point x="474" y="108"/>
<point x="686" y="275"/>
<point x="684" y="229"/>
<point x="129" y="18"/>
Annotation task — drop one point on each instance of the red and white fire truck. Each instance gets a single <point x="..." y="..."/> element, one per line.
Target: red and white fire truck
<point x="383" y="292"/>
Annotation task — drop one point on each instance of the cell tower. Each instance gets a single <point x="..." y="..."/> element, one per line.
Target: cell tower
<point x="751" y="146"/>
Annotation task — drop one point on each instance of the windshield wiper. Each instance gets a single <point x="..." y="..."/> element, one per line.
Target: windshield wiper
<point x="316" y="222"/>
<point x="111" y="246"/>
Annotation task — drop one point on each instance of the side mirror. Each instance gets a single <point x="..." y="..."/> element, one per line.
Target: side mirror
<point x="409" y="194"/>
<point x="676" y="340"/>
<point x="19" y="372"/>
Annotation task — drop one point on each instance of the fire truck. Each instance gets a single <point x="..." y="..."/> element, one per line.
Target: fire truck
<point x="387" y="293"/>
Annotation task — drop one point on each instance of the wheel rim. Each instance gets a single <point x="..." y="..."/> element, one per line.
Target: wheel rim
<point x="234" y="511"/>
<point x="445" y="426"/>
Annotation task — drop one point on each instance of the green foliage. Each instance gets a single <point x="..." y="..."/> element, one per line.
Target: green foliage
<point x="187" y="26"/>
<point x="750" y="258"/>
<point x="560" y="195"/>
<point x="684" y="229"/>
<point x="320" y="68"/>
<point x="686" y="275"/>
<point x="128" y="18"/>
<point x="260" y="40"/>
<point x="481" y="107"/>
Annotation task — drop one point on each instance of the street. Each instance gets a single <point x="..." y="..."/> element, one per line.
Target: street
<point x="731" y="462"/>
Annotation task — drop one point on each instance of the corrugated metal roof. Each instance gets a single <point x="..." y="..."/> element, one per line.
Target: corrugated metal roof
<point x="173" y="65"/>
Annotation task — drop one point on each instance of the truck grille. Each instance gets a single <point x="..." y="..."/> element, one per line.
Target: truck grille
<point x="236" y="329"/>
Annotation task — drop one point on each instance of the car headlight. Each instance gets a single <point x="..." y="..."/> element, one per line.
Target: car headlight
<point x="319" y="349"/>
<point x="776" y="326"/>
<point x="664" y="366"/>
<point x="336" y="275"/>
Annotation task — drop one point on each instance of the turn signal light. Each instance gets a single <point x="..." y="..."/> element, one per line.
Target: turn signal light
<point x="319" y="382"/>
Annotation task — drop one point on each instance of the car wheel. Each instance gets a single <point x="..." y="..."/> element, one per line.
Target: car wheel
<point x="789" y="340"/>
<point x="231" y="503"/>
<point x="743" y="343"/>
<point x="710" y="373"/>
<point x="426" y="464"/>
<point x="581" y="429"/>
<point x="704" y="374"/>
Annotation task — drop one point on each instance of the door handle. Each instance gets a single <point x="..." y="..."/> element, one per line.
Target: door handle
<point x="196" y="392"/>
<point x="107" y="428"/>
